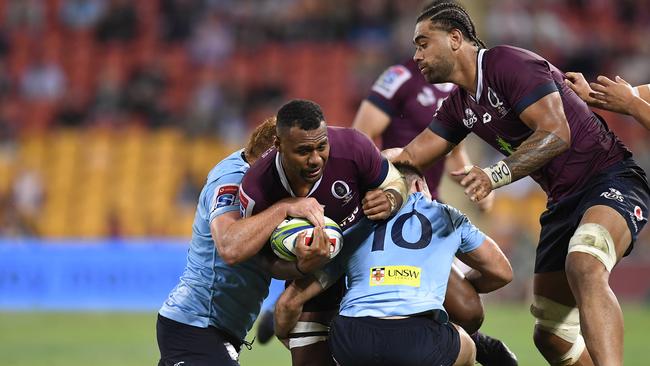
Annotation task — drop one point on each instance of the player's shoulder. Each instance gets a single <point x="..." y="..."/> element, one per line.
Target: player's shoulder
<point x="345" y="136"/>
<point x="503" y="55"/>
<point x="233" y="164"/>
<point x="451" y="213"/>
<point x="392" y="79"/>
<point x="348" y="142"/>
<point x="259" y="171"/>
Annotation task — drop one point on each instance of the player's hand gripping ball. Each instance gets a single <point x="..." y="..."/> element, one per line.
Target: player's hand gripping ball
<point x="283" y="238"/>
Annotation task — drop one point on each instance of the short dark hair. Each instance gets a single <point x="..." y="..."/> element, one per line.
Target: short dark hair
<point x="301" y="113"/>
<point x="450" y="15"/>
<point x="409" y="171"/>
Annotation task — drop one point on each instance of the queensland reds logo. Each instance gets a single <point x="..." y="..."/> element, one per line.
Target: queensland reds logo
<point x="341" y="190"/>
<point x="470" y="118"/>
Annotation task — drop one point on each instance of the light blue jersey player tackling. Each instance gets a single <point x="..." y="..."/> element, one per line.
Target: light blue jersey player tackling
<point x="205" y="319"/>
<point x="403" y="266"/>
<point x="204" y="295"/>
<point x="397" y="274"/>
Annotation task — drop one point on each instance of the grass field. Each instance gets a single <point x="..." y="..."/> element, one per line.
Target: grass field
<point x="127" y="339"/>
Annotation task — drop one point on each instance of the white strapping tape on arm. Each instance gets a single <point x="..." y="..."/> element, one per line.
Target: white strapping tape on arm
<point x="499" y="174"/>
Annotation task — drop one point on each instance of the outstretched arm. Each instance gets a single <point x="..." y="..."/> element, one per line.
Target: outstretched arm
<point x="551" y="137"/>
<point x="620" y="95"/>
<point x="424" y="150"/>
<point x="613" y="95"/>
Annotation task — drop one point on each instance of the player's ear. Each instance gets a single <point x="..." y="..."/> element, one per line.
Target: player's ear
<point x="420" y="185"/>
<point x="416" y="186"/>
<point x="455" y="39"/>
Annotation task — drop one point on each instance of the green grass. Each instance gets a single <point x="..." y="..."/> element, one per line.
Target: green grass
<point x="128" y="339"/>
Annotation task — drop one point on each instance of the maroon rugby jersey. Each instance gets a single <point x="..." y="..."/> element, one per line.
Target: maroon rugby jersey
<point x="509" y="80"/>
<point x="410" y="101"/>
<point x="354" y="166"/>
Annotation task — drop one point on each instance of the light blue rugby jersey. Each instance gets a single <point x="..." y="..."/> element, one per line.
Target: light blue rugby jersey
<point x="211" y="292"/>
<point x="402" y="267"/>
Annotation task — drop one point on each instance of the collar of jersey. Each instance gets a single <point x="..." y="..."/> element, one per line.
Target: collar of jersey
<point x="285" y="181"/>
<point x="479" y="76"/>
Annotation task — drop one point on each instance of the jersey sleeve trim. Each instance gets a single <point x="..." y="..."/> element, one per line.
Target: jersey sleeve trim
<point x="221" y="211"/>
<point x="477" y="239"/>
<point x="381" y="104"/>
<point x="447" y="134"/>
<point x="382" y="174"/>
<point x="538" y="93"/>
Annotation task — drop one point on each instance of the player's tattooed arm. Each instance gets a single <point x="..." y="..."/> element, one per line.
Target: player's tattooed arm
<point x="534" y="152"/>
<point x="551" y="136"/>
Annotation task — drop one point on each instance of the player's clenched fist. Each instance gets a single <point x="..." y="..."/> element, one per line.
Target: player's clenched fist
<point x="377" y="204"/>
<point x="312" y="253"/>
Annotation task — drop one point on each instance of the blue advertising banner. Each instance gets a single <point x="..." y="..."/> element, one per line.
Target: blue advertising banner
<point x="91" y="275"/>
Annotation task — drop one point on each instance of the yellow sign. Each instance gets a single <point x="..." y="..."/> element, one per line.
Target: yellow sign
<point x="395" y="275"/>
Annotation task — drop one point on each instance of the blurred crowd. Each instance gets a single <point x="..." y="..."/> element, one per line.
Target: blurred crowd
<point x="215" y="68"/>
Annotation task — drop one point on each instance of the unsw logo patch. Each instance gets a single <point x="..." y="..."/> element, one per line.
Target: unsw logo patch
<point x="395" y="275"/>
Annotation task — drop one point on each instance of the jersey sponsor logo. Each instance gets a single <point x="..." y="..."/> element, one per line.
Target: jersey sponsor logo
<point x="470" y="118"/>
<point x="487" y="117"/>
<point x="613" y="194"/>
<point x="225" y="195"/>
<point x="391" y="80"/>
<point x="342" y="191"/>
<point x="395" y="275"/>
<point x="179" y="363"/>
<point x="496" y="103"/>
<point x="246" y="204"/>
<point x="637" y="215"/>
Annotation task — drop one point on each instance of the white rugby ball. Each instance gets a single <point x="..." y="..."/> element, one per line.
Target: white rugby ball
<point x="283" y="238"/>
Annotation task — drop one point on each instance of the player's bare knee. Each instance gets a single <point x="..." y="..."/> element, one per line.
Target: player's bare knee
<point x="595" y="241"/>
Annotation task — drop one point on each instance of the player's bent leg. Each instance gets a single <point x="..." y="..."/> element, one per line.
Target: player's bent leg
<point x="467" y="353"/>
<point x="464" y="306"/>
<point x="596" y="246"/>
<point x="463" y="303"/>
<point x="308" y="340"/>
<point x="557" y="321"/>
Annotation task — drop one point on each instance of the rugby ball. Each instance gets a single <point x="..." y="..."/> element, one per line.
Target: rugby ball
<point x="283" y="238"/>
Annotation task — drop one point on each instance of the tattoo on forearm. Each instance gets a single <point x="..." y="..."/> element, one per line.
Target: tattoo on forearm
<point x="534" y="152"/>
